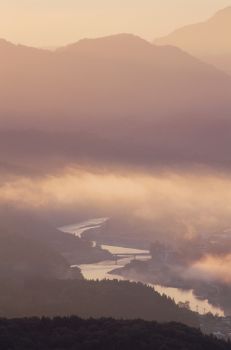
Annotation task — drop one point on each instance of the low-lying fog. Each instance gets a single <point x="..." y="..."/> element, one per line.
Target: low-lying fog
<point x="172" y="206"/>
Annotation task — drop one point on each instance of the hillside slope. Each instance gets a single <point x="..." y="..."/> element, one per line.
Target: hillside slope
<point x="23" y="232"/>
<point x="23" y="258"/>
<point x="208" y="40"/>
<point x="117" y="299"/>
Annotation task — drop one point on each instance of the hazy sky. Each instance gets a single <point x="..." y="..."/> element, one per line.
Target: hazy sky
<point x="56" y="22"/>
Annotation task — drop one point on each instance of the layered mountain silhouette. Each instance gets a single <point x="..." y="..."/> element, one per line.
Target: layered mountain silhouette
<point x="117" y="98"/>
<point x="208" y="40"/>
<point x="120" y="77"/>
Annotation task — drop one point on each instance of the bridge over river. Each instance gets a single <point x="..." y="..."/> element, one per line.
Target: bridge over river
<point x="122" y="256"/>
<point x="119" y="256"/>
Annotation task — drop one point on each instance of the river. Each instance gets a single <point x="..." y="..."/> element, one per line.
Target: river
<point x="100" y="271"/>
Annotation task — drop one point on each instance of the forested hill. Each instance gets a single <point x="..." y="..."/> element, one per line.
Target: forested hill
<point x="102" y="334"/>
<point x="116" y="299"/>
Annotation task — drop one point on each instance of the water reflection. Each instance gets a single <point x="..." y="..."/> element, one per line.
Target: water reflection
<point x="100" y="271"/>
<point x="79" y="228"/>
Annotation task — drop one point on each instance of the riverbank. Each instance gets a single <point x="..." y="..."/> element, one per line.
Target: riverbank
<point x="104" y="269"/>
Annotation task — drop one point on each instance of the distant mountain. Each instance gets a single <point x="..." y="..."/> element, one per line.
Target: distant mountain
<point x="106" y="81"/>
<point x="209" y="40"/>
<point x="116" y="46"/>
<point x="113" y="99"/>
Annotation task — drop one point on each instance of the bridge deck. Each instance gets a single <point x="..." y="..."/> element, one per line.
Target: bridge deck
<point x="132" y="254"/>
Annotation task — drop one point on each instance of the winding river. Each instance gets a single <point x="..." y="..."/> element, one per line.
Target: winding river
<point x="100" y="271"/>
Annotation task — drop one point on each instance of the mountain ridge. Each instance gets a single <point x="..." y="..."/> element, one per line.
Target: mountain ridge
<point x="207" y="40"/>
<point x="124" y="81"/>
<point x="93" y="104"/>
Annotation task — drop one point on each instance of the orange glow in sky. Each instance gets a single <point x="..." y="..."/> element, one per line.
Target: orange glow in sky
<point x="58" y="22"/>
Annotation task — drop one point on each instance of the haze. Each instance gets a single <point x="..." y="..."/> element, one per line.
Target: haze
<point x="125" y="134"/>
<point x="52" y="23"/>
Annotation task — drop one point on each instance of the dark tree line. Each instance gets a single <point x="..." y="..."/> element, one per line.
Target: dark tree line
<point x="103" y="334"/>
